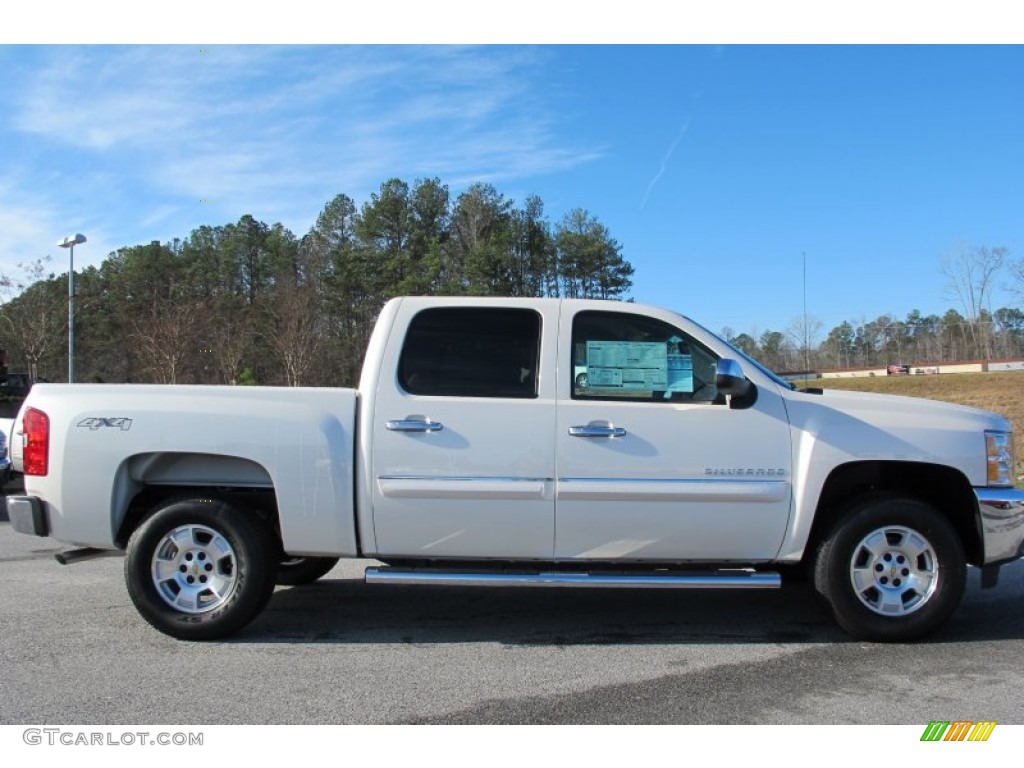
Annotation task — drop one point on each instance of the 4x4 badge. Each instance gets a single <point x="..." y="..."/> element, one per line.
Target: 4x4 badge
<point x="117" y="422"/>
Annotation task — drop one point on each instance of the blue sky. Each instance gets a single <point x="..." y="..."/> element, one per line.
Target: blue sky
<point x="717" y="167"/>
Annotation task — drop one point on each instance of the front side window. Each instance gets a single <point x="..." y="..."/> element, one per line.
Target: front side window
<point x="620" y="356"/>
<point x="471" y="352"/>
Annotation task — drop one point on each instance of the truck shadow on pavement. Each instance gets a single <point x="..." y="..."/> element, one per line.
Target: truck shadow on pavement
<point x="345" y="611"/>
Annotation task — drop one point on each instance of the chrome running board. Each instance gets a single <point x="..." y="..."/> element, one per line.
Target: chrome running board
<point x="722" y="579"/>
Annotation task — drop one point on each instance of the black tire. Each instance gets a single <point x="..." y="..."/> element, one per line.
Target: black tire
<point x="293" y="571"/>
<point x="201" y="569"/>
<point x="892" y="569"/>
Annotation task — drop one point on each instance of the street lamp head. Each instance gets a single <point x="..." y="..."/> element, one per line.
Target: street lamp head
<point x="71" y="240"/>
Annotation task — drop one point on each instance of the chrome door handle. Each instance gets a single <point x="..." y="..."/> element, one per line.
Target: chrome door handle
<point x="593" y="430"/>
<point x="413" y="425"/>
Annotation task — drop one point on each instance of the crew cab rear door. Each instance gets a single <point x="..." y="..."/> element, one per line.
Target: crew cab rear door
<point x="463" y="448"/>
<point x="652" y="462"/>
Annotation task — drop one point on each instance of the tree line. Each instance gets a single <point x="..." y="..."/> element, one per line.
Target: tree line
<point x="248" y="302"/>
<point x="977" y="333"/>
<point x="889" y="340"/>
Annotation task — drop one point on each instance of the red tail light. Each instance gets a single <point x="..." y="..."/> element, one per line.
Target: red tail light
<point x="35" y="458"/>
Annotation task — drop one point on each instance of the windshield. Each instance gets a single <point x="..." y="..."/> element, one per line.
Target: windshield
<point x="748" y="359"/>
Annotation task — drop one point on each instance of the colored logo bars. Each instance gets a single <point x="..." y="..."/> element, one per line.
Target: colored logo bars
<point x="958" y="730"/>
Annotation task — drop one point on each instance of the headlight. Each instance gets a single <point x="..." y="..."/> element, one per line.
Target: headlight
<point x="999" y="455"/>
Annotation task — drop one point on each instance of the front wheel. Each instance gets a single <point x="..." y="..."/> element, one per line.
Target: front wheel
<point x="200" y="569"/>
<point x="893" y="569"/>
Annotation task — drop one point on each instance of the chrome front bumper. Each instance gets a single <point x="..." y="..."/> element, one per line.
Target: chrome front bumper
<point x="1002" y="523"/>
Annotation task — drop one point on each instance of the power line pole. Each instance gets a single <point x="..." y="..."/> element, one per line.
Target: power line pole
<point x="807" y="341"/>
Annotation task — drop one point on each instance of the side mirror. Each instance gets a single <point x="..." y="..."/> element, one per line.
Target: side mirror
<point x="729" y="380"/>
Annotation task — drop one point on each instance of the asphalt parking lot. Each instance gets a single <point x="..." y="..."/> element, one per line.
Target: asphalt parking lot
<point x="73" y="650"/>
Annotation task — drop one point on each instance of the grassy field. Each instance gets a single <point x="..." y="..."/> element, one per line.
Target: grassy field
<point x="999" y="392"/>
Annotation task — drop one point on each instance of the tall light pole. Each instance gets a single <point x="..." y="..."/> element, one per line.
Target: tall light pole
<point x="807" y="341"/>
<point x="70" y="242"/>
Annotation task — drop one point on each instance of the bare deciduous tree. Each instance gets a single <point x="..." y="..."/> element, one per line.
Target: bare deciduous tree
<point x="804" y="333"/>
<point x="163" y="336"/>
<point x="971" y="273"/>
<point x="33" y="325"/>
<point x="1017" y="274"/>
<point x="295" y="330"/>
<point x="231" y="337"/>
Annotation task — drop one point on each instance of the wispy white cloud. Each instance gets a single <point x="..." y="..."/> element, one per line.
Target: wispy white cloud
<point x="665" y="161"/>
<point x="101" y="98"/>
<point x="277" y="131"/>
<point x="27" y="223"/>
<point x="159" y="214"/>
<point x="25" y="230"/>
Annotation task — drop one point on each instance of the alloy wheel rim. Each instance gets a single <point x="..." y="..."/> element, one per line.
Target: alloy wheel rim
<point x="194" y="569"/>
<point x="894" y="571"/>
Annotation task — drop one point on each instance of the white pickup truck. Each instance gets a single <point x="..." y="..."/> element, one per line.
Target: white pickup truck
<point x="474" y="453"/>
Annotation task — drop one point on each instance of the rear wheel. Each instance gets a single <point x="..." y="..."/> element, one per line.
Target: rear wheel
<point x="303" y="570"/>
<point x="200" y="569"/>
<point x="892" y="569"/>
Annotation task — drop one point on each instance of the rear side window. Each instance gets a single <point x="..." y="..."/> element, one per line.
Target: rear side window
<point x="472" y="352"/>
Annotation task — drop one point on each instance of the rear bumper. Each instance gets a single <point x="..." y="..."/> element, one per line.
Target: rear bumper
<point x="1002" y="523"/>
<point x="28" y="515"/>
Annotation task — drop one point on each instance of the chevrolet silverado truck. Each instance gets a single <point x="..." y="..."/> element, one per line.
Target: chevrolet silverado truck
<point x="475" y="453"/>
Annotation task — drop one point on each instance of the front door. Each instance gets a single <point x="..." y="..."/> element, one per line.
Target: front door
<point x="652" y="463"/>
